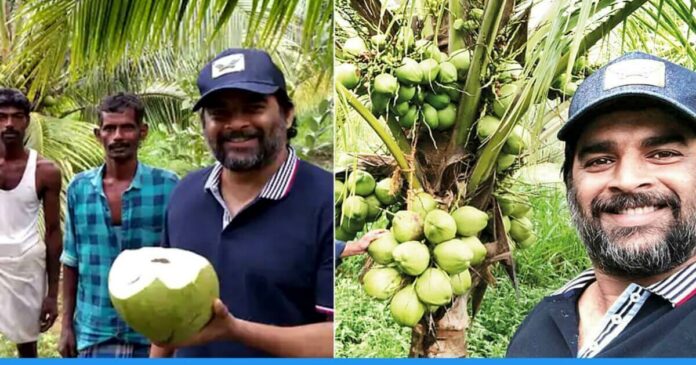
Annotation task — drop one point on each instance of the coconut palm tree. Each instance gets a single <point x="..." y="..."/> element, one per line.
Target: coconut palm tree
<point x="549" y="41"/>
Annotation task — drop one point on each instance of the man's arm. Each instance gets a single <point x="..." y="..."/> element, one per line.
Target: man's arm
<point x="311" y="340"/>
<point x="67" y="346"/>
<point x="51" y="177"/>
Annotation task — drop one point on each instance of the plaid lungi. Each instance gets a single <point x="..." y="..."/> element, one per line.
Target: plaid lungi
<point x="116" y="349"/>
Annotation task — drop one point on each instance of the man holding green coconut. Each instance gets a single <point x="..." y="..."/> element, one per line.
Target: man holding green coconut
<point x="630" y="170"/>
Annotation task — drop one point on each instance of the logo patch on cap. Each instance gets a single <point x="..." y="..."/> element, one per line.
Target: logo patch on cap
<point x="635" y="72"/>
<point x="228" y="64"/>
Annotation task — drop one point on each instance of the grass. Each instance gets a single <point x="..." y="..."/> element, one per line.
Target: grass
<point x="364" y="327"/>
<point x="48" y="343"/>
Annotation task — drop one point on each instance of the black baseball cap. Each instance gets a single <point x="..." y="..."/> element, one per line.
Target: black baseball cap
<point x="240" y="68"/>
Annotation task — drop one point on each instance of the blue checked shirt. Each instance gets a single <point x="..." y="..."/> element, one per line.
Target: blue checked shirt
<point x="91" y="245"/>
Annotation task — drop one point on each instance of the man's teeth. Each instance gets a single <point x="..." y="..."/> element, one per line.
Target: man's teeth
<point x="239" y="139"/>
<point x="641" y="210"/>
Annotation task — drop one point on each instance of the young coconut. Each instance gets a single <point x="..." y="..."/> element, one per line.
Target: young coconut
<point x="411" y="257"/>
<point x="165" y="294"/>
<point x="361" y="183"/>
<point x="434" y="287"/>
<point x="470" y="221"/>
<point x="382" y="282"/>
<point x="406" y="308"/>
<point x="453" y="256"/>
<point x="439" y="226"/>
<point x="381" y="249"/>
<point x="407" y="226"/>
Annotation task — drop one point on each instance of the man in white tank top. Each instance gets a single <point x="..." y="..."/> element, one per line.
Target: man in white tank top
<point x="29" y="266"/>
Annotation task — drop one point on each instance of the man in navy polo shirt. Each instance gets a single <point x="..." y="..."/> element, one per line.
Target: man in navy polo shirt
<point x="260" y="215"/>
<point x="630" y="170"/>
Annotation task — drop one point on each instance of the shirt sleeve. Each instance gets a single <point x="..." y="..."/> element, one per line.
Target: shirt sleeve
<point x="325" y="273"/>
<point x="339" y="246"/>
<point x="69" y="255"/>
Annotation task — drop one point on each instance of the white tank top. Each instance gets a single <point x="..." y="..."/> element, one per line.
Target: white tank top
<point x="19" y="213"/>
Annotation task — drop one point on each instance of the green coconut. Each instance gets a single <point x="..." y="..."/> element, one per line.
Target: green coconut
<point x="386" y="84"/>
<point x="569" y="88"/>
<point x="506" y="95"/>
<point x="476" y="13"/>
<point x="506" y="224"/>
<point x="486" y="126"/>
<point x="437" y="101"/>
<point x="406" y="308"/>
<point x="361" y="182"/>
<point x="470" y="221"/>
<point x="384" y="192"/>
<point x="407" y="226"/>
<point x="339" y="192"/>
<point x="165" y="294"/>
<point x="505" y="161"/>
<point x="348" y="75"/>
<point x="433" y="287"/>
<point x="405" y="39"/>
<point x="342" y="235"/>
<point x="446" y="117"/>
<point x="460" y="282"/>
<point x="452" y="91"/>
<point x="411" y="257"/>
<point x="374" y="207"/>
<point x="477" y="248"/>
<point x="430" y="116"/>
<point x="355" y="207"/>
<point x="409" y="73"/>
<point x="381" y="248"/>
<point x="409" y="119"/>
<point x="447" y="73"/>
<point x="432" y="51"/>
<point x="382" y="282"/>
<point x="402" y="108"/>
<point x="521" y="229"/>
<point x="521" y="207"/>
<point x="461" y="59"/>
<point x="405" y="93"/>
<point x="379" y="41"/>
<point x="352" y="225"/>
<point x="354" y="46"/>
<point x="519" y="139"/>
<point x="379" y="103"/>
<point x="439" y="226"/>
<point x="430" y="69"/>
<point x="453" y="256"/>
<point x="529" y="242"/>
<point x="509" y="71"/>
<point x="458" y="24"/>
<point x="422" y="203"/>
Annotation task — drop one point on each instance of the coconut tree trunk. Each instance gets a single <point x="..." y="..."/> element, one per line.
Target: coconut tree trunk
<point x="448" y="336"/>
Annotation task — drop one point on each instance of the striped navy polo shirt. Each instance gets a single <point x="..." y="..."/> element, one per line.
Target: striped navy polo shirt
<point x="274" y="258"/>
<point x="654" y="321"/>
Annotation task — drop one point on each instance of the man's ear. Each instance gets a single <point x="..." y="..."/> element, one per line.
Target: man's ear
<point x="144" y="128"/>
<point x="289" y="118"/>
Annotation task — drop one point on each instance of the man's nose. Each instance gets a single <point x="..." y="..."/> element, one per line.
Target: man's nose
<point x="631" y="175"/>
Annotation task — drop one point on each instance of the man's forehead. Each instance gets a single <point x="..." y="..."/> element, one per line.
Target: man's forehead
<point x="635" y="125"/>
<point x="8" y="109"/>
<point x="233" y="97"/>
<point x="125" y="115"/>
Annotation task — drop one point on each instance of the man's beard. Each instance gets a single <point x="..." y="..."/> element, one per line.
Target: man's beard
<point x="268" y="148"/>
<point x="648" y="258"/>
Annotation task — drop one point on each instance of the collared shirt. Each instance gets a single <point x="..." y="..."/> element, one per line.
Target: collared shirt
<point x="273" y="258"/>
<point x="654" y="321"/>
<point x="91" y="244"/>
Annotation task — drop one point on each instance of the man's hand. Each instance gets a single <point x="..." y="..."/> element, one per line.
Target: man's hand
<point x="67" y="346"/>
<point x="360" y="246"/>
<point x="220" y="327"/>
<point x="49" y="313"/>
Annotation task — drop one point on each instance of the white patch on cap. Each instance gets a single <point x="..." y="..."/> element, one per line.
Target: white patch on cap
<point x="228" y="64"/>
<point x="635" y="72"/>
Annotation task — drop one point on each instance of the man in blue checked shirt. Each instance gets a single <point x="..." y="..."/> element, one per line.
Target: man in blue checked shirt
<point x="630" y="170"/>
<point x="117" y="206"/>
<point x="260" y="215"/>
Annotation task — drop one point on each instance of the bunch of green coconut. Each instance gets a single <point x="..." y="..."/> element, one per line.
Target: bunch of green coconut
<point x="422" y="86"/>
<point x="423" y="262"/>
<point x="360" y="200"/>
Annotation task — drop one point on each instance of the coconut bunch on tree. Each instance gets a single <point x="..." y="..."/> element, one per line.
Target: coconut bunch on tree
<point x="461" y="93"/>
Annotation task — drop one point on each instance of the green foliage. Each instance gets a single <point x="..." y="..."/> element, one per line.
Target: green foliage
<point x="181" y="150"/>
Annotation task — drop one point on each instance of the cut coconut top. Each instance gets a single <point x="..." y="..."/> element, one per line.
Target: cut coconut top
<point x="134" y="270"/>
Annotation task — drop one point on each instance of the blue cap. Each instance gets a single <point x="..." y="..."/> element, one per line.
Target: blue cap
<point x="239" y="68"/>
<point x="632" y="75"/>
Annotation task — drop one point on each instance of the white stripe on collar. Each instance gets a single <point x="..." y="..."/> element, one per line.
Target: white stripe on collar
<point x="276" y="187"/>
<point x="674" y="288"/>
